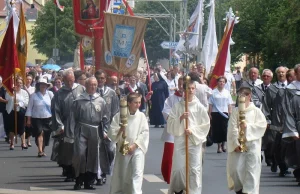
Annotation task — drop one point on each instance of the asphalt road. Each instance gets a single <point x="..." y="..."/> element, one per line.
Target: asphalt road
<point x="23" y="172"/>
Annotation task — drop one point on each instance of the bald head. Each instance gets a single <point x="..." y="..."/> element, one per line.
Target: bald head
<point x="113" y="80"/>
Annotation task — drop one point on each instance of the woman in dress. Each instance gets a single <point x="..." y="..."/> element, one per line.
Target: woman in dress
<point x="39" y="115"/>
<point x="22" y="99"/>
<point x="220" y="103"/>
<point x="160" y="94"/>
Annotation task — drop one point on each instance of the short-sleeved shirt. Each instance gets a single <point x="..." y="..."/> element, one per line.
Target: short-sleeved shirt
<point x="220" y="99"/>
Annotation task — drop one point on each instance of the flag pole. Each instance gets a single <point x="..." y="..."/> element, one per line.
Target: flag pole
<point x="15" y="109"/>
<point x="187" y="80"/>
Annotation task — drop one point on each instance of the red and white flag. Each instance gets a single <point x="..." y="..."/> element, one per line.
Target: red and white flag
<point x="56" y="2"/>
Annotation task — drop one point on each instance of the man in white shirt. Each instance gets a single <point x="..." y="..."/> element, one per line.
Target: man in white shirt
<point x="202" y="92"/>
<point x="267" y="76"/>
<point x="238" y="78"/>
<point x="230" y="84"/>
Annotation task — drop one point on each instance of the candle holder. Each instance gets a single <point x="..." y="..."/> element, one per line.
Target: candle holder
<point x="123" y="123"/>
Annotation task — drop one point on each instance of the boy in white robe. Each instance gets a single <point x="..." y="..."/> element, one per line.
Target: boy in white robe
<point x="129" y="169"/>
<point x="197" y="131"/>
<point x="244" y="168"/>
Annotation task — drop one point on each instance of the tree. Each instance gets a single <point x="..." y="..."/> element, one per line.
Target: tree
<point x="43" y="34"/>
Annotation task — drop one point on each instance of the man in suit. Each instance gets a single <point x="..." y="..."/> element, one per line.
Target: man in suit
<point x="267" y="77"/>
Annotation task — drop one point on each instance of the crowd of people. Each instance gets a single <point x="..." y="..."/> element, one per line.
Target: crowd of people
<point x="80" y="111"/>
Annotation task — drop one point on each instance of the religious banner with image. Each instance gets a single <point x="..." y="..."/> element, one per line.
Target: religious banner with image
<point x="122" y="42"/>
<point x="88" y="15"/>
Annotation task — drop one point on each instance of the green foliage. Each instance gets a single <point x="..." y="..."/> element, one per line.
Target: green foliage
<point x="268" y="31"/>
<point x="43" y="34"/>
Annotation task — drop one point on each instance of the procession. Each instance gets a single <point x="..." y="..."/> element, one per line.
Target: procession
<point x="196" y="124"/>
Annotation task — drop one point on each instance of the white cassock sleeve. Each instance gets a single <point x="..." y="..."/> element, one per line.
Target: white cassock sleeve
<point x="167" y="108"/>
<point x="143" y="137"/>
<point x="201" y="127"/>
<point x="256" y="129"/>
<point x="233" y="131"/>
<point x="113" y="132"/>
<point x="174" y="126"/>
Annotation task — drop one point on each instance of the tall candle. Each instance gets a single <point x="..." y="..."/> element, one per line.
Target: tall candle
<point x="242" y="105"/>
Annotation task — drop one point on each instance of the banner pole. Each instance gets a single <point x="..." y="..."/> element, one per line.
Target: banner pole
<point x="15" y="110"/>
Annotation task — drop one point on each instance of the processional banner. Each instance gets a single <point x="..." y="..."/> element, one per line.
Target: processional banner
<point x="89" y="17"/>
<point x="122" y="42"/>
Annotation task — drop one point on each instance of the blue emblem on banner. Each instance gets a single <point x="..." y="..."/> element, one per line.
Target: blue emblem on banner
<point x="122" y="41"/>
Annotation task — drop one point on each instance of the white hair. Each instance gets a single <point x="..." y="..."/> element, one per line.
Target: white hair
<point x="267" y="70"/>
<point x="251" y="69"/>
<point x="90" y="79"/>
<point x="277" y="69"/>
<point x="68" y="72"/>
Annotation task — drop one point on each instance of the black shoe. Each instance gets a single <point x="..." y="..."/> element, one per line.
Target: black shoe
<point x="274" y="168"/>
<point x="156" y="126"/>
<point x="180" y="192"/>
<point x="77" y="187"/>
<point x="99" y="182"/>
<point x="288" y="172"/>
<point x="103" y="177"/>
<point x="269" y="164"/>
<point x="282" y="174"/>
<point x="162" y="126"/>
<point x="64" y="173"/>
<point x="89" y="187"/>
<point x="68" y="179"/>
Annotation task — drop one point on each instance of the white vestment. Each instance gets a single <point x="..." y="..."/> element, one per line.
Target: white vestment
<point x="128" y="170"/>
<point x="169" y="103"/>
<point x="199" y="124"/>
<point x="244" y="169"/>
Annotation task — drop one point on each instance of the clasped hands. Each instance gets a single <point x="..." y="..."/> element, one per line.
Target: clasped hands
<point x="185" y="115"/>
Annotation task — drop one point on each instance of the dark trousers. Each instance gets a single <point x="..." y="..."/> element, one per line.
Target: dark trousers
<point x="5" y="120"/>
<point x="87" y="178"/>
<point x="69" y="171"/>
<point x="279" y="151"/>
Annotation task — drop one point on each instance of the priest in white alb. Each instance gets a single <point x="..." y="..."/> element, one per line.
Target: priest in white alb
<point x="197" y="131"/>
<point x="128" y="170"/>
<point x="244" y="168"/>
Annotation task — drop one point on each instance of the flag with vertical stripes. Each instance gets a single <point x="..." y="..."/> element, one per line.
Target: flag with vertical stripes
<point x="21" y="42"/>
<point x="219" y="68"/>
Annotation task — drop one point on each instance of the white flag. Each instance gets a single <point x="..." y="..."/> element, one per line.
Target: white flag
<point x="210" y="46"/>
<point x="11" y="12"/>
<point x="193" y="27"/>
